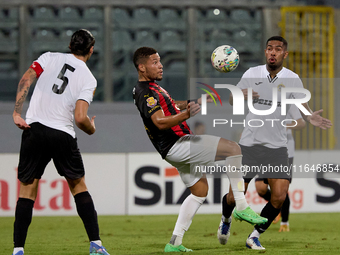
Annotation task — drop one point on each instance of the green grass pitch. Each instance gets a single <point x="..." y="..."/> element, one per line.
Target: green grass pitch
<point x="311" y="233"/>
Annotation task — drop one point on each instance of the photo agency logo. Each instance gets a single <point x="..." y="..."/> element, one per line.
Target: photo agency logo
<point x="204" y="97"/>
<point x="278" y="100"/>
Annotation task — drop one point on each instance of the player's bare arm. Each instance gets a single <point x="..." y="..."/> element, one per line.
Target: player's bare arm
<point x="163" y="122"/>
<point x="81" y="118"/>
<point x="315" y="118"/>
<point x="183" y="104"/>
<point x="210" y="99"/>
<point x="300" y="124"/>
<point x="245" y="93"/>
<point x="23" y="87"/>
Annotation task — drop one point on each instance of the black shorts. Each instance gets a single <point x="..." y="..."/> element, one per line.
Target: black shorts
<point x="265" y="162"/>
<point x="39" y="145"/>
<point x="265" y="180"/>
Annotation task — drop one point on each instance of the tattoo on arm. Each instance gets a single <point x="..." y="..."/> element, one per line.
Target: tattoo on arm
<point x="23" y="88"/>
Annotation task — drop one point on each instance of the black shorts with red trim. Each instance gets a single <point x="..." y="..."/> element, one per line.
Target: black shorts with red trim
<point x="39" y="145"/>
<point x="265" y="162"/>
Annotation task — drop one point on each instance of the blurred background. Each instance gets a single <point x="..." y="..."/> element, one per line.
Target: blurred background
<point x="185" y="33"/>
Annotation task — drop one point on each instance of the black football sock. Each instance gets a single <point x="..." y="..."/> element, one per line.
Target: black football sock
<point x="267" y="196"/>
<point x="23" y="218"/>
<point x="269" y="212"/>
<point x="226" y="209"/>
<point x="285" y="209"/>
<point x="88" y="214"/>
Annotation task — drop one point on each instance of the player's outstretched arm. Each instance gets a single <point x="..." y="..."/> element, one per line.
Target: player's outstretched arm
<point x="210" y="98"/>
<point x="300" y="124"/>
<point x="245" y="94"/>
<point x="163" y="122"/>
<point x="82" y="120"/>
<point x="23" y="87"/>
<point x="183" y="104"/>
<point x="315" y="118"/>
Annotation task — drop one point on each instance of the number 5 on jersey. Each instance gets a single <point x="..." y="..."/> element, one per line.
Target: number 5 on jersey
<point x="62" y="76"/>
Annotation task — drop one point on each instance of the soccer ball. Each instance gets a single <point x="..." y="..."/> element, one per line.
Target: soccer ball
<point x="225" y="59"/>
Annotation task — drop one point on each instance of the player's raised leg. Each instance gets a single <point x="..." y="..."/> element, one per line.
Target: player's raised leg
<point x="187" y="211"/>
<point x="231" y="151"/>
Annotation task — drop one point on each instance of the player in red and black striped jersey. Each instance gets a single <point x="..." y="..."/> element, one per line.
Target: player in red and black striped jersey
<point x="165" y="122"/>
<point x="149" y="98"/>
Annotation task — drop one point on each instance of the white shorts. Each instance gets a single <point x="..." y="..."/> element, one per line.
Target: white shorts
<point x="190" y="151"/>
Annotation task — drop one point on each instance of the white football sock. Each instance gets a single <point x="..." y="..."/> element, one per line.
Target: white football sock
<point x="97" y="242"/>
<point x="226" y="220"/>
<point x="234" y="163"/>
<point x="17" y="249"/>
<point x="255" y="233"/>
<point x="187" y="211"/>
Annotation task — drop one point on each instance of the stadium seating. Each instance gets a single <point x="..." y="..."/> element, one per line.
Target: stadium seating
<point x="69" y="13"/>
<point x="164" y="28"/>
<point x="145" y="38"/>
<point x="217" y="15"/>
<point x="9" y="41"/>
<point x="171" y="41"/>
<point x="121" y="40"/>
<point x="121" y="18"/>
<point x="44" y="13"/>
<point x="93" y="13"/>
<point x="9" y="14"/>
<point x="45" y="35"/>
<point x="144" y="19"/>
<point x="177" y="66"/>
<point x="171" y="19"/>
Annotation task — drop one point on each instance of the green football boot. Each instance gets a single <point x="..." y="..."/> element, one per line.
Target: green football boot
<point x="249" y="216"/>
<point x="176" y="248"/>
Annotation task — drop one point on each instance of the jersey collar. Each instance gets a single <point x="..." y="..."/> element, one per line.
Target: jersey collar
<point x="270" y="79"/>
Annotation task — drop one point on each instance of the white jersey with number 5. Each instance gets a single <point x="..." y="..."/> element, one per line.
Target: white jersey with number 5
<point x="64" y="80"/>
<point x="267" y="130"/>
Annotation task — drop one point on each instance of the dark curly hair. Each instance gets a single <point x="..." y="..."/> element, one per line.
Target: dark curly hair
<point x="81" y="42"/>
<point x="278" y="38"/>
<point x="141" y="54"/>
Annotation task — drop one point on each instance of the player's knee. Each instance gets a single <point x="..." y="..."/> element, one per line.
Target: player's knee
<point x="278" y="200"/>
<point x="200" y="193"/>
<point x="200" y="189"/>
<point x="227" y="148"/>
<point x="203" y="192"/>
<point x="261" y="192"/>
<point x="235" y="149"/>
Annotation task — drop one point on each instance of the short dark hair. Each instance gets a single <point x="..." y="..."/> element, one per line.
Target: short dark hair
<point x="278" y="38"/>
<point x="81" y="42"/>
<point x="142" y="53"/>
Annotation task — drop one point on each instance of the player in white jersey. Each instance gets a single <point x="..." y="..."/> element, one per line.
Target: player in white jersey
<point x="261" y="184"/>
<point x="264" y="147"/>
<point x="63" y="92"/>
